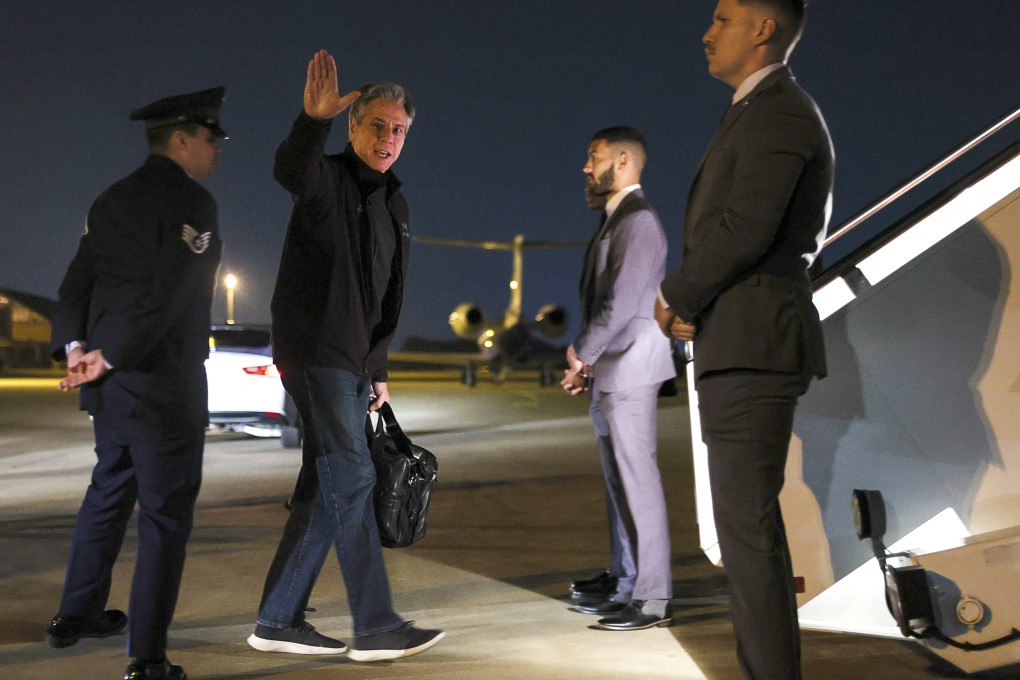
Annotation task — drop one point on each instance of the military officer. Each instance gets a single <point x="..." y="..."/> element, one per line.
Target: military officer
<point x="132" y="323"/>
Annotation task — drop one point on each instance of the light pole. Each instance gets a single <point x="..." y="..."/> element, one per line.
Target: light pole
<point x="231" y="282"/>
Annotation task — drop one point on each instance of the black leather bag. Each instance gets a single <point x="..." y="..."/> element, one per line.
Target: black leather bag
<point x="405" y="474"/>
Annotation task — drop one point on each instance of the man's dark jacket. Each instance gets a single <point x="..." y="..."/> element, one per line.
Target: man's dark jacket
<point x="325" y="294"/>
<point x="755" y="218"/>
<point x="139" y="289"/>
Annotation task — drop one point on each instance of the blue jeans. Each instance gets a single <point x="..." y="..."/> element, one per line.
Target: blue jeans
<point x="331" y="506"/>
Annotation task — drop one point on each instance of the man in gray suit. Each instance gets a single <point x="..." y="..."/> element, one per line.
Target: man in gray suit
<point x="622" y="353"/>
<point x="755" y="219"/>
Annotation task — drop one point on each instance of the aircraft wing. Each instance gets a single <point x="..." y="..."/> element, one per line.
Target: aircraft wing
<point x="495" y="245"/>
<point x="433" y="359"/>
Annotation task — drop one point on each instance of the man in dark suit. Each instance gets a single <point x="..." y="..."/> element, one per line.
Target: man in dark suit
<point x="620" y="349"/>
<point x="755" y="217"/>
<point x="133" y="324"/>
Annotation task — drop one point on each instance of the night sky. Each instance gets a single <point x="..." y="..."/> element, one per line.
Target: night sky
<point x="508" y="95"/>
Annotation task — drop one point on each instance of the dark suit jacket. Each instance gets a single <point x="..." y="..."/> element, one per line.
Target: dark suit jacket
<point x="756" y="216"/>
<point x="139" y="289"/>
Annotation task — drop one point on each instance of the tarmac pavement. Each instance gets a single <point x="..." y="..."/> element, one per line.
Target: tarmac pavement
<point x="518" y="513"/>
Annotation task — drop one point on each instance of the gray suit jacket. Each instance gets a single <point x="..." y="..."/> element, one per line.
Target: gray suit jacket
<point x="755" y="219"/>
<point x="619" y="337"/>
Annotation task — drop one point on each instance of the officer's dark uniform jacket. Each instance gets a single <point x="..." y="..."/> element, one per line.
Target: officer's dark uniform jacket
<point x="140" y="288"/>
<point x="329" y="309"/>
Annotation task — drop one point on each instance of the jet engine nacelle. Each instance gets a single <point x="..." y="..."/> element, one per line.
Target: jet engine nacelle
<point x="552" y="321"/>
<point x="468" y="321"/>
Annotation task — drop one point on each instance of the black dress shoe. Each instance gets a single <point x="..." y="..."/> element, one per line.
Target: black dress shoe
<point x="162" y="670"/>
<point x="65" y="631"/>
<point x="600" y="586"/>
<point x="631" y="618"/>
<point x="602" y="606"/>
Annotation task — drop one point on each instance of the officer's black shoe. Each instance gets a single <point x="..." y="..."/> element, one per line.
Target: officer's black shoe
<point x="65" y="631"/>
<point x="161" y="670"/>
<point x="602" y="585"/>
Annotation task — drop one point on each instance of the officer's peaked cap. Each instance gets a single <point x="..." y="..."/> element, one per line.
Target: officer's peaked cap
<point x="202" y="108"/>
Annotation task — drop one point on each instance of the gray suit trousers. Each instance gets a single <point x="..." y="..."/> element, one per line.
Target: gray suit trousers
<point x="625" y="426"/>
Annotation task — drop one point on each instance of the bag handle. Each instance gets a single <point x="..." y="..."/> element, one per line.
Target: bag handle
<point x="394" y="430"/>
<point x="372" y="431"/>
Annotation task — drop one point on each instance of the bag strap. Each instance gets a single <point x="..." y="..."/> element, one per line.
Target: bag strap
<point x="372" y="432"/>
<point x="393" y="429"/>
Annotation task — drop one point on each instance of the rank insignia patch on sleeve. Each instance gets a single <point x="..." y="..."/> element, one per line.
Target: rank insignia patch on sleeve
<point x="197" y="242"/>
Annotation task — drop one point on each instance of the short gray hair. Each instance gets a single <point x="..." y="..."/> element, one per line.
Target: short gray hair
<point x="373" y="91"/>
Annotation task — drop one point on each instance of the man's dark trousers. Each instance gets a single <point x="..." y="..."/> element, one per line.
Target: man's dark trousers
<point x="163" y="476"/>
<point x="747" y="422"/>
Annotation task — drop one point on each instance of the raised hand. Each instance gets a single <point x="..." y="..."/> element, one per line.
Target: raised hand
<point x="322" y="93"/>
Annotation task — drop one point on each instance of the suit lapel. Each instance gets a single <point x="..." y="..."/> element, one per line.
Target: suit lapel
<point x="627" y="206"/>
<point x="585" y="288"/>
<point x="737" y="109"/>
<point x="629" y="203"/>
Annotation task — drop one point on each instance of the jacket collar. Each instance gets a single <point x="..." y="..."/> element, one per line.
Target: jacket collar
<point x="368" y="178"/>
<point x="781" y="73"/>
<point x="163" y="161"/>
<point x="621" y="210"/>
<point x="735" y="110"/>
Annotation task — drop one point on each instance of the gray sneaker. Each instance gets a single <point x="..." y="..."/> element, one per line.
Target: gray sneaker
<point x="394" y="644"/>
<point x="299" y="639"/>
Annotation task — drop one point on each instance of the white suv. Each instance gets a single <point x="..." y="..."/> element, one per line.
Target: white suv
<point x="245" y="391"/>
